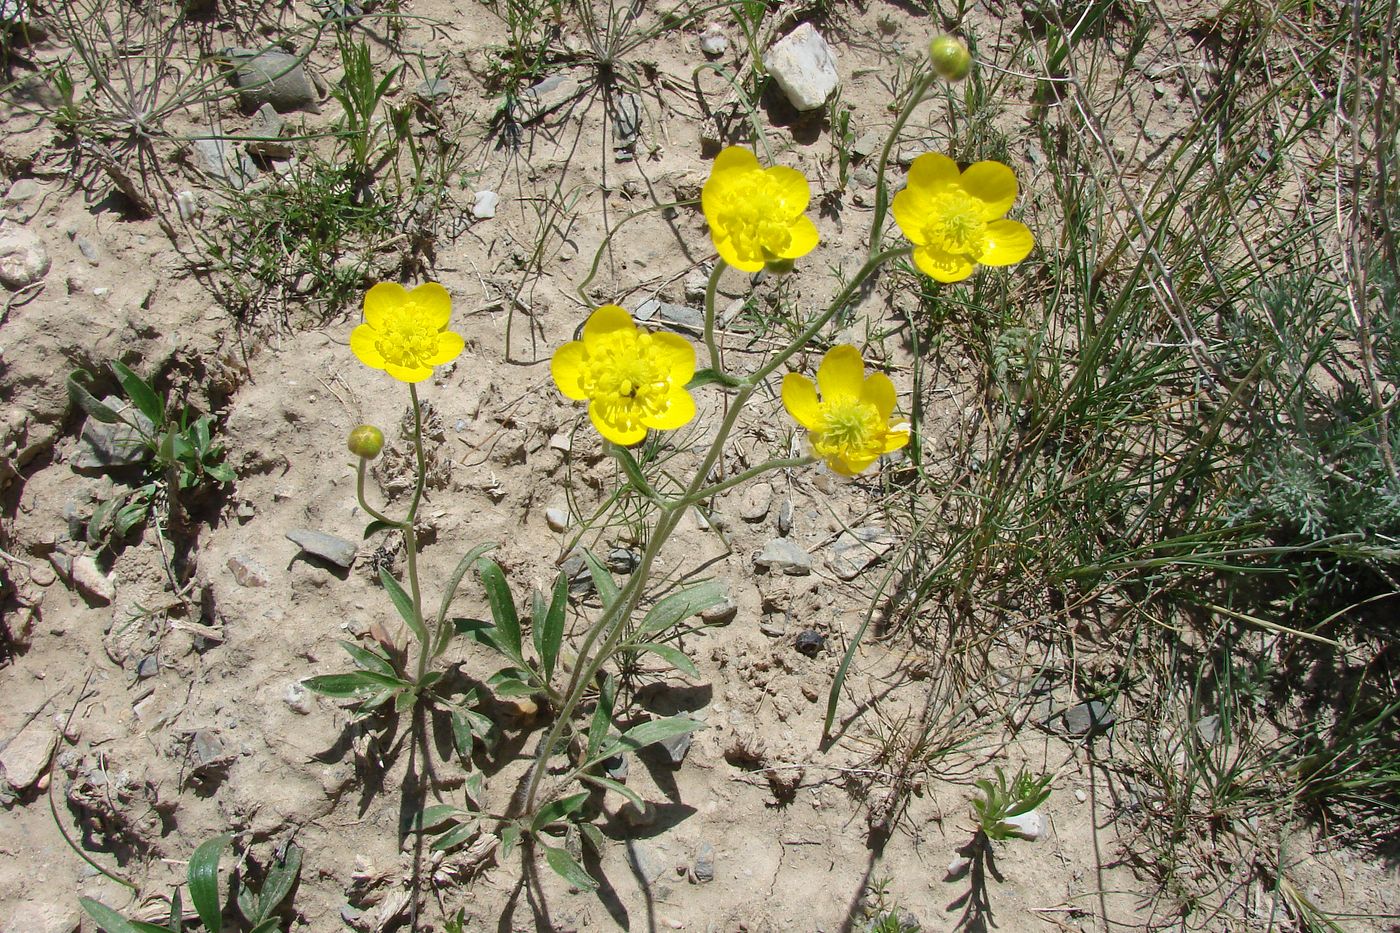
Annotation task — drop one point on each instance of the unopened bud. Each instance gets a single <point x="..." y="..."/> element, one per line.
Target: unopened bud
<point x="951" y="59"/>
<point x="366" y="441"/>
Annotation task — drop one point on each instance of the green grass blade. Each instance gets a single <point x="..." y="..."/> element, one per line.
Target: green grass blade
<point x="204" y="882"/>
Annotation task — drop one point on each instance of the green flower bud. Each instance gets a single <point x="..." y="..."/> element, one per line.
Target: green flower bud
<point x="951" y="58"/>
<point x="366" y="441"/>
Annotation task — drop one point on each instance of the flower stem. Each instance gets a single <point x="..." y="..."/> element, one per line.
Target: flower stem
<point x="740" y="478"/>
<point x="716" y="363"/>
<point x="410" y="537"/>
<point x="882" y="201"/>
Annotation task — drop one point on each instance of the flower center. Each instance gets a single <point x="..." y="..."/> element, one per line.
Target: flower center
<point x="408" y="338"/>
<point x="955" y="225"/>
<point x="849" y="427"/>
<point x="755" y="215"/>
<point x="627" y="378"/>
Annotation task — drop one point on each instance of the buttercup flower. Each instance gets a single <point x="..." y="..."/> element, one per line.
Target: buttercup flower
<point x="849" y="423"/>
<point x="405" y="333"/>
<point x="954" y="219"/>
<point x="633" y="379"/>
<point x="755" y="213"/>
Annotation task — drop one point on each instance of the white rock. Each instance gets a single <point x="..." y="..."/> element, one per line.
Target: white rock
<point x="187" y="204"/>
<point x="804" y="67"/>
<point x="557" y="519"/>
<point x="484" y="205"/>
<point x="1029" y="826"/>
<point x="26" y="758"/>
<point x="713" y="42"/>
<point x="23" y="258"/>
<point x="91" y="581"/>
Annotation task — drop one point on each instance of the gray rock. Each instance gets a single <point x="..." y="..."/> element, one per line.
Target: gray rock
<point x="695" y="283"/>
<point x="704" y="863"/>
<point x="248" y="572"/>
<point x="785" y="515"/>
<point x="34" y="916"/>
<point x="782" y="555"/>
<point x="623" y="560"/>
<point x="721" y="613"/>
<point x="627" y="120"/>
<point x="713" y="42"/>
<point x="647" y="862"/>
<point x="674" y="315"/>
<point x="266" y="128"/>
<point x="1089" y="718"/>
<point x="1208" y="728"/>
<point x="87" y="248"/>
<point x="147" y="667"/>
<point x="327" y="547"/>
<point x="867" y="145"/>
<point x="271" y="77"/>
<point x="757" y="500"/>
<point x="804" y="66"/>
<point x="23" y="198"/>
<point x="676" y="747"/>
<point x="433" y="90"/>
<point x="23" y="257"/>
<point x="104" y="446"/>
<point x="810" y="642"/>
<point x="26" y="758"/>
<point x="549" y="95"/>
<point x="773" y="625"/>
<point x="91" y="582"/>
<point x="616" y="768"/>
<point x="484" y="204"/>
<point x="187" y="205"/>
<point x="556" y="519"/>
<point x="218" y="159"/>
<point x="207" y="749"/>
<point x="857" y="549"/>
<point x="576" y="569"/>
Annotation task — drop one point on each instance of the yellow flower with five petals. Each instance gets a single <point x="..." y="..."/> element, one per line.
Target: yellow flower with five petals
<point x="956" y="219"/>
<point x="405" y="332"/>
<point x="847" y="414"/>
<point x="755" y="213"/>
<point x="633" y="379"/>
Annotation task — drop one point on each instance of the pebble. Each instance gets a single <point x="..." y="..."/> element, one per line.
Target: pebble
<point x="810" y="642"/>
<point x="297" y="698"/>
<point x="26" y="758"/>
<point x="713" y="41"/>
<point x="556" y="519"/>
<point x="804" y="66"/>
<point x="1089" y="718"/>
<point x="333" y="548"/>
<point x="271" y="77"/>
<point x="623" y="560"/>
<point x="646" y="861"/>
<point x="785" y="515"/>
<point x="957" y="868"/>
<point x="104" y="446"/>
<point x="87" y="248"/>
<point x="1208" y="728"/>
<point x="550" y="94"/>
<point x="484" y="204"/>
<point x="705" y="863"/>
<point x="1080" y="795"/>
<point x="757" y="500"/>
<point x="1029" y="826"/>
<point x="867" y="145"/>
<point x="676" y="747"/>
<point x="672" y="314"/>
<point x="782" y="555"/>
<point x="33" y="916"/>
<point x="23" y="258"/>
<point x="91" y="582"/>
<point x="616" y="768"/>
<point x="21" y="200"/>
<point x="721" y="613"/>
<point x="856" y="549"/>
<point x="248" y="572"/>
<point x="695" y="283"/>
<point x="433" y="90"/>
<point x="187" y="205"/>
<point x="218" y="159"/>
<point x="267" y="125"/>
<point x="147" y="667"/>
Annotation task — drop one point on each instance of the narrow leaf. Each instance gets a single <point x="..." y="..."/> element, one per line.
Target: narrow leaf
<point x="602" y="580"/>
<point x="140" y="392"/>
<point x="556" y="810"/>
<point x="839" y="681"/>
<point x="404" y="604"/>
<point x="347" y="686"/>
<point x="594" y="836"/>
<point x="565" y="867"/>
<point x="704" y="377"/>
<point x="280" y="879"/>
<point x="366" y="659"/>
<point x="436" y="815"/>
<point x="511" y="682"/>
<point x="376" y="526"/>
<point x="649" y="733"/>
<point x="270" y="925"/>
<point x="510" y="835"/>
<point x="88" y="402"/>
<point x="550" y="636"/>
<point x="617" y="787"/>
<point x="602" y="718"/>
<point x="449" y="594"/>
<point x="502" y="605"/>
<point x="671" y="610"/>
<point x="672" y="656"/>
<point x="177" y="913"/>
<point x="455" y="836"/>
<point x="204" y="882"/>
<point x="113" y="922"/>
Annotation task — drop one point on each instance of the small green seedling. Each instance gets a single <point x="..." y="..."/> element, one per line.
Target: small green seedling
<point x="257" y="907"/>
<point x="1001" y="801"/>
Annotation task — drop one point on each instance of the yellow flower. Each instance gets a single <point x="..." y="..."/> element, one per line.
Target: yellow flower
<point x="405" y="333"/>
<point x="849" y="425"/>
<point x="954" y="219"/>
<point x="755" y="213"/>
<point x="633" y="379"/>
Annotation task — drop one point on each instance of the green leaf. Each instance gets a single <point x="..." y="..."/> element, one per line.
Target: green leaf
<point x="834" y="696"/>
<point x="348" y="686"/>
<point x="602" y="717"/>
<point x="649" y="733"/>
<point x="565" y="867"/>
<point x="270" y="925"/>
<point x="437" y="814"/>
<point x="594" y="836"/>
<point x="707" y="376"/>
<point x="221" y="472"/>
<point x="177" y="912"/>
<point x="204" y="882"/>
<point x="129" y="516"/>
<point x="247" y="905"/>
<point x="630" y="467"/>
<point x="376" y="526"/>
<point x="455" y="836"/>
<point x="672" y="656"/>
<point x="113" y="922"/>
<point x="548" y="629"/>
<point x="404" y="604"/>
<point x="502" y="606"/>
<point x="556" y="810"/>
<point x="616" y="786"/>
<point x="278" y="884"/>
<point x="512" y="682"/>
<point x="462" y="736"/>
<point x="80" y="396"/>
<point x="368" y="660"/>
<point x="140" y="392"/>
<point x="450" y="593"/>
<point x="669" y="611"/>
<point x="510" y="835"/>
<point x="602" y="580"/>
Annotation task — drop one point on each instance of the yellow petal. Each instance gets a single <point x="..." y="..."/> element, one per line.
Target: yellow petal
<point x="911" y="208"/>
<point x="790" y="186"/>
<point x="941" y="265"/>
<point x="609" y="319"/>
<point x="932" y="172"/>
<point x="842" y="373"/>
<point x="993" y="184"/>
<point x="566" y="366"/>
<point x="362" y="344"/>
<point x="897" y="438"/>
<point x="612" y="432"/>
<point x="847" y="465"/>
<point x="408" y="373"/>
<point x="449" y="346"/>
<point x="676" y="354"/>
<point x="383" y="300"/>
<point x="1008" y="241"/>
<point x="725" y="247"/>
<point x="879" y="391"/>
<point x="680" y="408"/>
<point x="804" y="239"/>
<point x="736" y="160"/>
<point x="434" y="302"/>
<point x="800" y="400"/>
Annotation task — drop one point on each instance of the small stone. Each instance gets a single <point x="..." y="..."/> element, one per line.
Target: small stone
<point x="103" y="446"/>
<point x="550" y="94"/>
<point x="627" y="120"/>
<point x="271" y="77"/>
<point x="785" y="515"/>
<point x="561" y="441"/>
<point x="649" y="864"/>
<point x="696" y="281"/>
<point x="857" y="549"/>
<point x="1088" y="718"/>
<point x="34" y="916"/>
<point x="1208" y="728"/>
<point x="721" y="613"/>
<point x="615" y="768"/>
<point x="266" y="126"/>
<point x="782" y="555"/>
<point x="26" y="758"/>
<point x="297" y="698"/>
<point x="484" y="204"/>
<point x="957" y="868"/>
<point x="576" y="569"/>
<point x="147" y="667"/>
<point x="433" y="90"/>
<point x="1080" y="795"/>
<point x="773" y="625"/>
<point x="332" y="548"/>
<point x="757" y="500"/>
<point x="22" y="200"/>
<point x="87" y="248"/>
<point x="677" y="316"/>
<point x="91" y="582"/>
<point x="41" y="575"/>
<point x="1029" y="826"/>
<point x="218" y="159"/>
<point x="639" y="817"/>
<point x="705" y="863"/>
<point x="676" y="747"/>
<point x="556" y="519"/>
<point x="804" y="66"/>
<point x="713" y="41"/>
<point x="867" y="145"/>
<point x="187" y="206"/>
<point x="810" y="642"/>
<point x="248" y="572"/>
<point x="623" y="560"/>
<point x="23" y="258"/>
<point x="207" y="748"/>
